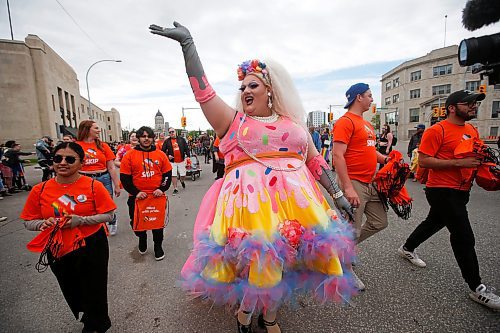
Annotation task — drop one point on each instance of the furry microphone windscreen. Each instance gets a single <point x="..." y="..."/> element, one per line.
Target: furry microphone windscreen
<point x="478" y="13"/>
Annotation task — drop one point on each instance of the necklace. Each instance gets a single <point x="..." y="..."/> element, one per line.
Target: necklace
<point x="256" y="159"/>
<point x="267" y="119"/>
<point x="66" y="184"/>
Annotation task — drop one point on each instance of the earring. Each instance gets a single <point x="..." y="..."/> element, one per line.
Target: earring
<point x="269" y="100"/>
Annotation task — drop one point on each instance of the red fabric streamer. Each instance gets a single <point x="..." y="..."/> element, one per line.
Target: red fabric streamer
<point x="390" y="185"/>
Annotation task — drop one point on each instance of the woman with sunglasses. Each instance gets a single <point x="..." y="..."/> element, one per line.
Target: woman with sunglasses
<point x="79" y="206"/>
<point x="264" y="232"/>
<point x="99" y="162"/>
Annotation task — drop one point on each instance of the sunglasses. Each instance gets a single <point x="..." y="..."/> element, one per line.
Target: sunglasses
<point x="171" y="131"/>
<point x="68" y="159"/>
<point x="470" y="104"/>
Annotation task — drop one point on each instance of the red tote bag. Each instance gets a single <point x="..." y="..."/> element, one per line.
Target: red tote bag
<point x="149" y="213"/>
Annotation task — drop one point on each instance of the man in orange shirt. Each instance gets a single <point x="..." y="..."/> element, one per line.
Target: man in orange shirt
<point x="448" y="192"/>
<point x="177" y="150"/>
<point x="355" y="158"/>
<point x="218" y="159"/>
<point x="145" y="169"/>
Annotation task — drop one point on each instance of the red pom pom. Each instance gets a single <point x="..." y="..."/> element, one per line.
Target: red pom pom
<point x="292" y="230"/>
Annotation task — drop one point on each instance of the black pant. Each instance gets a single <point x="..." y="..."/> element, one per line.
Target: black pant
<point x="449" y="209"/>
<point x="46" y="170"/>
<point x="157" y="233"/>
<point x="83" y="278"/>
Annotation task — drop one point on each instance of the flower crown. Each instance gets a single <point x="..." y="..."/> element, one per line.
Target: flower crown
<point x="252" y="66"/>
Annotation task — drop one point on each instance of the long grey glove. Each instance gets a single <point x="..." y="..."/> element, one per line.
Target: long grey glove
<point x="202" y="90"/>
<point x="327" y="180"/>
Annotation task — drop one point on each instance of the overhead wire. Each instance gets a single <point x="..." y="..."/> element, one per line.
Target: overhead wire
<point x="83" y="31"/>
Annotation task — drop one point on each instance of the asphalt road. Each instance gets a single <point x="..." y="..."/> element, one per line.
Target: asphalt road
<point x="144" y="295"/>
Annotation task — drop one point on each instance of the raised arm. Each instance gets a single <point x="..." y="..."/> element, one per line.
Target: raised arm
<point x="217" y="112"/>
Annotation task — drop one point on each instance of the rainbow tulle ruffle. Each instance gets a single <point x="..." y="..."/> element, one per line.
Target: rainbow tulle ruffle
<point x="254" y="274"/>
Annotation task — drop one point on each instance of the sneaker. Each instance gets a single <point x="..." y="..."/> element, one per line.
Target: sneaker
<point x="113" y="228"/>
<point x="175" y="191"/>
<point x="143" y="245"/>
<point x="159" y="254"/>
<point x="358" y="283"/>
<point x="183" y="184"/>
<point x="486" y="296"/>
<point x="3" y="218"/>
<point x="411" y="257"/>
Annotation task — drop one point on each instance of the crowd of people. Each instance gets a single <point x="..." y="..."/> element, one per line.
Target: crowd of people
<point x="265" y="233"/>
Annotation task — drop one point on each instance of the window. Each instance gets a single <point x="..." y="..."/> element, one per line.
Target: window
<point x="473" y="67"/>
<point x="415" y="76"/>
<point x="387" y="101"/>
<point x="109" y="127"/>
<point x="441" y="90"/>
<point x="494" y="131"/>
<point x="414" y="115"/>
<point x="390" y="117"/>
<point x="395" y="82"/>
<point x="442" y="70"/>
<point x="415" y="93"/>
<point x="388" y="86"/>
<point x="495" y="109"/>
<point x="496" y="87"/>
<point x="109" y="119"/>
<point x="395" y="98"/>
<point x="53" y="103"/>
<point x="472" y="85"/>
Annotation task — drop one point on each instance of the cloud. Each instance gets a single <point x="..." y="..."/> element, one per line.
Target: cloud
<point x="325" y="45"/>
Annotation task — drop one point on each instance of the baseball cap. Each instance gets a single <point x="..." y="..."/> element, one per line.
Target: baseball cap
<point x="463" y="96"/>
<point x="422" y="126"/>
<point x="354" y="91"/>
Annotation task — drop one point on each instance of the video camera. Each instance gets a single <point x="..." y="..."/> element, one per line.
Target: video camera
<point x="484" y="50"/>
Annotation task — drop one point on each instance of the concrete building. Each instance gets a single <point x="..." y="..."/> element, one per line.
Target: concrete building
<point x="317" y="118"/>
<point x="40" y="95"/>
<point x="411" y="91"/>
<point x="160" y="125"/>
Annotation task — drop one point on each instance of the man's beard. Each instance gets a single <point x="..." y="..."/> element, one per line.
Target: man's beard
<point x="466" y="115"/>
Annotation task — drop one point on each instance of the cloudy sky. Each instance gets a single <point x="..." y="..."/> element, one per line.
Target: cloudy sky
<point x="326" y="45"/>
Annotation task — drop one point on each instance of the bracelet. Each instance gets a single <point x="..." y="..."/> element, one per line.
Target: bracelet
<point x="338" y="194"/>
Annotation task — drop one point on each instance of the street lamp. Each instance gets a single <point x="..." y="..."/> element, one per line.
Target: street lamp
<point x="87" y="77"/>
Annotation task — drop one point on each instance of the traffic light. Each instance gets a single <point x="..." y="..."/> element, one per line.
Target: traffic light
<point x="442" y="112"/>
<point x="374" y="108"/>
<point x="330" y="117"/>
<point x="183" y="121"/>
<point x="482" y="89"/>
<point x="435" y="112"/>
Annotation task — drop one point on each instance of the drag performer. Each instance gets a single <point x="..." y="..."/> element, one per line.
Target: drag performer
<point x="264" y="232"/>
<point x="70" y="211"/>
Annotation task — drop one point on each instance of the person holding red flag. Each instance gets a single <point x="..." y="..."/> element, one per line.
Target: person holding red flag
<point x="145" y="171"/>
<point x="448" y="191"/>
<point x="71" y="210"/>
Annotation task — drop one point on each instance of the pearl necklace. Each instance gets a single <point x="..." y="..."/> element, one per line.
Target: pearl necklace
<point x="256" y="159"/>
<point x="267" y="119"/>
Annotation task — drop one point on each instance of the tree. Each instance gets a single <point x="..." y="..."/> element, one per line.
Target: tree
<point x="376" y="121"/>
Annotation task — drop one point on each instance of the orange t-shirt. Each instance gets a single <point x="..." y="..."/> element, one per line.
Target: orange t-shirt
<point x="159" y="144"/>
<point x="58" y="200"/>
<point x="95" y="159"/>
<point x="146" y="168"/>
<point x="177" y="151"/>
<point x="440" y="141"/>
<point x="216" y="144"/>
<point x="361" y="154"/>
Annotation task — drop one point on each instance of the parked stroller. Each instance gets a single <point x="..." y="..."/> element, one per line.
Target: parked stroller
<point x="193" y="169"/>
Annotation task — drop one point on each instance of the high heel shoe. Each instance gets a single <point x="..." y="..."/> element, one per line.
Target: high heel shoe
<point x="264" y="323"/>
<point x="244" y="328"/>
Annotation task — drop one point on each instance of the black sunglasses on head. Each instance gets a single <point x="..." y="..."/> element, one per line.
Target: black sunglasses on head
<point x="68" y="159"/>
